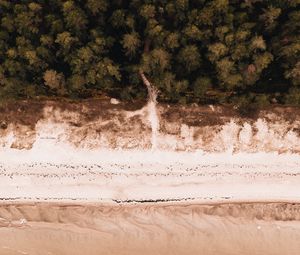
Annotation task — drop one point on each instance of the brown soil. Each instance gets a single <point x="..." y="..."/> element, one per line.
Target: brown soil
<point x="28" y="113"/>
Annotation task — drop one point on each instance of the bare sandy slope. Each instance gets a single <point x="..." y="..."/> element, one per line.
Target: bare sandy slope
<point x="98" y="124"/>
<point x="248" y="229"/>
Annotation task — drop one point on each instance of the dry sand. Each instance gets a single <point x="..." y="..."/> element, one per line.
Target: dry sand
<point x="119" y="176"/>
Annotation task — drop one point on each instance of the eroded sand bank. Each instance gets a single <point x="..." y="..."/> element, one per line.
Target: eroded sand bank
<point x="98" y="124"/>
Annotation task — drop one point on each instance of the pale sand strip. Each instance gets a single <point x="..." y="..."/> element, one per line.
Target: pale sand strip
<point x="144" y="177"/>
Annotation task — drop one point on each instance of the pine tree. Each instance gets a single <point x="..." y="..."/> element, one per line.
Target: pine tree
<point x="188" y="49"/>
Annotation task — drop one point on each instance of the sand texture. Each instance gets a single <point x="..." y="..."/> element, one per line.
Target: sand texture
<point x="116" y="179"/>
<point x="248" y="229"/>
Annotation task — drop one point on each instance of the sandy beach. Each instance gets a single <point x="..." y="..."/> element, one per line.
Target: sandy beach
<point x="231" y="229"/>
<point x="122" y="203"/>
<point x="133" y="177"/>
<point x="70" y="186"/>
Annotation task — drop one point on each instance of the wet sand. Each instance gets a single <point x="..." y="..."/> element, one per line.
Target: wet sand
<point x="224" y="229"/>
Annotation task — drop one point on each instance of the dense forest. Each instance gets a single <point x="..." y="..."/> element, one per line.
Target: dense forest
<point x="203" y="51"/>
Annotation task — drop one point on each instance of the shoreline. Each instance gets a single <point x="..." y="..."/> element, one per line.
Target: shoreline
<point x="84" y="203"/>
<point x="271" y="229"/>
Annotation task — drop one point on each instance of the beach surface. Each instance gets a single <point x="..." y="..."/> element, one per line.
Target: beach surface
<point x="151" y="202"/>
<point x="95" y="178"/>
<point x="136" y="177"/>
<point x="231" y="229"/>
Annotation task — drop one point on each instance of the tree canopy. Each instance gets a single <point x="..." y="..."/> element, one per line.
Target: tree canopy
<point x="203" y="51"/>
